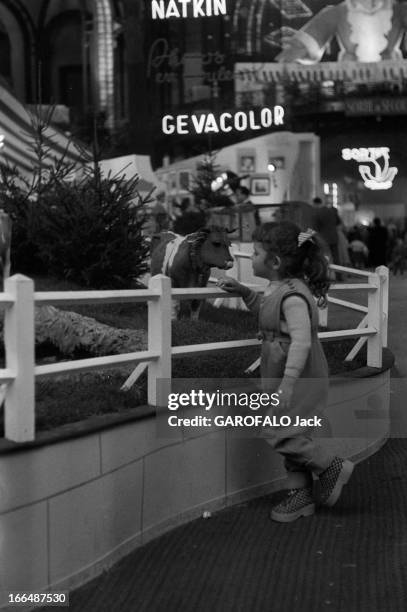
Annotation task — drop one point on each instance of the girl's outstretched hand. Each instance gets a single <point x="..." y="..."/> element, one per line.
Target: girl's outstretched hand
<point x="231" y="285"/>
<point x="285" y="393"/>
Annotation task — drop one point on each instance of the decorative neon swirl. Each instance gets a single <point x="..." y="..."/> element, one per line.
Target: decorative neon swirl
<point x="378" y="177"/>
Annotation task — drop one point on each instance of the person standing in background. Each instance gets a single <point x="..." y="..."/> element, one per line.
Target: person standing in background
<point x="325" y="221"/>
<point x="248" y="214"/>
<point x="343" y="247"/>
<point x="392" y="234"/>
<point x="191" y="219"/>
<point x="398" y="257"/>
<point x="159" y="213"/>
<point x="377" y="244"/>
<point x="358" y="251"/>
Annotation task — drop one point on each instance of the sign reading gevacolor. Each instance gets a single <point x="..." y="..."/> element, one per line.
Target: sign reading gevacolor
<point x="161" y="9"/>
<point x="225" y="122"/>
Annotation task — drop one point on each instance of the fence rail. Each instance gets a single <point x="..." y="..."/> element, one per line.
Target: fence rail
<point x="19" y="300"/>
<point x="377" y="287"/>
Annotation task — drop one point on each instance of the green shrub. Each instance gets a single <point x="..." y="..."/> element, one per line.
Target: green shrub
<point x="207" y="171"/>
<point x="89" y="230"/>
<point x="19" y="203"/>
<point x="92" y="233"/>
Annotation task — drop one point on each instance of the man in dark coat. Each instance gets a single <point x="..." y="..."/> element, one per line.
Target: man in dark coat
<point x="377" y="243"/>
<point x="191" y="219"/>
<point x="325" y="221"/>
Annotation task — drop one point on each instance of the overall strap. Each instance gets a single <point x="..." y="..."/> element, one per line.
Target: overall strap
<point x="295" y="287"/>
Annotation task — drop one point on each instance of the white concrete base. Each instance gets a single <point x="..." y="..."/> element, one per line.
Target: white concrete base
<point x="70" y="510"/>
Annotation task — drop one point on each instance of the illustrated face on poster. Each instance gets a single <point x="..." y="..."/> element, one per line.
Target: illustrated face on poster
<point x="247" y="163"/>
<point x="366" y="31"/>
<point x="344" y="30"/>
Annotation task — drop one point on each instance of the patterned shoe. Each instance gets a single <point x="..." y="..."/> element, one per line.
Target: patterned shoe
<point x="299" y="502"/>
<point x="333" y="480"/>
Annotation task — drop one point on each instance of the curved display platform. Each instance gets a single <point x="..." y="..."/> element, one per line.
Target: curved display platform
<point x="78" y="499"/>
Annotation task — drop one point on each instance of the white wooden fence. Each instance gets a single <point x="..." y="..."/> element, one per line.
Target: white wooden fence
<point x="19" y="301"/>
<point x="377" y="287"/>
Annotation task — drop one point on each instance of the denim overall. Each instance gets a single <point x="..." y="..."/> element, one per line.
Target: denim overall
<point x="302" y="456"/>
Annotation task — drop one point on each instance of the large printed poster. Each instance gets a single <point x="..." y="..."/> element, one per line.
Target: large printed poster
<point x="359" y="40"/>
<point x="311" y="31"/>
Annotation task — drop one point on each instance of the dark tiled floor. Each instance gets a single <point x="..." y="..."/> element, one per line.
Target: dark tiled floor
<point x="352" y="558"/>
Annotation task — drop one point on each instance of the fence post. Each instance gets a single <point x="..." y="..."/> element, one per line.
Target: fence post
<point x="19" y="342"/>
<point x="237" y="302"/>
<point x="374" y="319"/>
<point x="238" y="266"/>
<point x="383" y="273"/>
<point x="159" y="339"/>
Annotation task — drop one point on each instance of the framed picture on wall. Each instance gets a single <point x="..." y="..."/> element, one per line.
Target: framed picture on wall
<point x="260" y="185"/>
<point x="173" y="182"/>
<point x="277" y="162"/>
<point x="246" y="162"/>
<point x="184" y="180"/>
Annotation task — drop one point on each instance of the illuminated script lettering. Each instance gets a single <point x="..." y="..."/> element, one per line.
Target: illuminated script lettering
<point x="377" y="176"/>
<point x="165" y="64"/>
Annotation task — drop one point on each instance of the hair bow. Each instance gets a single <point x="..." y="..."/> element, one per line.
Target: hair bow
<point x="305" y="236"/>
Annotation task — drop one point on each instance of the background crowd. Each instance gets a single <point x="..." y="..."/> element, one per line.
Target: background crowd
<point x="360" y="246"/>
<point x="192" y="213"/>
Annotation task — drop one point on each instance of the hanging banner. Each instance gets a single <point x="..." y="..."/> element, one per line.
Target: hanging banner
<point x="374" y="106"/>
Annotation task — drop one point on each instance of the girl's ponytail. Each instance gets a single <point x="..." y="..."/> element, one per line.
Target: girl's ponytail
<point x="302" y="255"/>
<point x="315" y="268"/>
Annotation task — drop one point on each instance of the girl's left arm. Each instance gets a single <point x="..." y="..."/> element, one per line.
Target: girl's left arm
<point x="296" y="314"/>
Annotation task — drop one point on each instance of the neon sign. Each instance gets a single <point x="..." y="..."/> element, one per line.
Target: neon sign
<point x="187" y="8"/>
<point x="226" y="122"/>
<point x="377" y="176"/>
<point x="165" y="63"/>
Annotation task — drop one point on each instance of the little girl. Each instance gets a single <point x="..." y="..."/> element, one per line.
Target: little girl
<point x="292" y="359"/>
